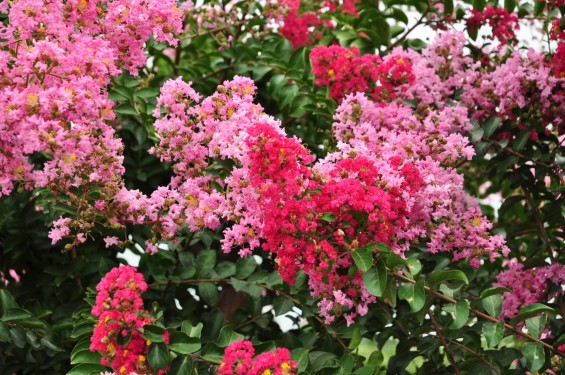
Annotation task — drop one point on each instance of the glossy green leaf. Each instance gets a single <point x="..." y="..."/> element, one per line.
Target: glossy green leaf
<point x="532" y="310"/>
<point x="460" y="314"/>
<point x="493" y="332"/>
<point x="493" y="305"/>
<point x="363" y="258"/>
<point x="534" y="355"/>
<point x="182" y="365"/>
<point x="441" y="276"/>
<point x="490" y="125"/>
<point x="536" y="325"/>
<point x="375" y="279"/>
<point x="328" y="216"/>
<point x="227" y="336"/>
<point x="180" y="342"/>
<point x="158" y="356"/>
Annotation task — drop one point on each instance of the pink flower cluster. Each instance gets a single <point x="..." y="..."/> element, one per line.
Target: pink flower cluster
<point x="56" y="61"/>
<point x="502" y="22"/>
<point x="529" y="285"/>
<point x="238" y="360"/>
<point x="120" y="313"/>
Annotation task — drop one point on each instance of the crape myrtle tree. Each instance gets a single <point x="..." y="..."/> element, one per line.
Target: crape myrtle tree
<point x="176" y="177"/>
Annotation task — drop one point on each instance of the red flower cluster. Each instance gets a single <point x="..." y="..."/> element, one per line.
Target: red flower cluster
<point x="346" y="72"/>
<point x="238" y="360"/>
<point x="120" y="313"/>
<point x="305" y="27"/>
<point x="297" y="26"/>
<point x="313" y="221"/>
<point x="500" y="20"/>
<point x="557" y="34"/>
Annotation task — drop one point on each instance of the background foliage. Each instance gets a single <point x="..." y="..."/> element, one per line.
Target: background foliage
<point x="434" y="317"/>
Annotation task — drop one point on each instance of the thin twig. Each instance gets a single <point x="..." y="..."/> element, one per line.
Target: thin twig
<point x="539" y="222"/>
<point x="480" y="314"/>
<point x="405" y="35"/>
<point x="465" y="347"/>
<point x="444" y="342"/>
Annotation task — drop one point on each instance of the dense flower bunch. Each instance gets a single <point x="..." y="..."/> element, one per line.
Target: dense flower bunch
<point x="511" y="88"/>
<point x="390" y="182"/>
<point x="529" y="285"/>
<point x="305" y="26"/>
<point x="502" y="22"/>
<point x="54" y="69"/>
<point x="238" y="360"/>
<point x="344" y="70"/>
<point x="120" y="313"/>
<point x="559" y="58"/>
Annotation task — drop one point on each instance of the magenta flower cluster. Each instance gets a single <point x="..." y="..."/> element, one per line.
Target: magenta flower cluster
<point x="121" y="317"/>
<point x="239" y="360"/>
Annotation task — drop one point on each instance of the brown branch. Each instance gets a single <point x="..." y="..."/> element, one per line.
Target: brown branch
<point x="405" y="35"/>
<point x="464" y="347"/>
<point x="213" y="31"/>
<point x="539" y="221"/>
<point x="480" y="314"/>
<point x="444" y="342"/>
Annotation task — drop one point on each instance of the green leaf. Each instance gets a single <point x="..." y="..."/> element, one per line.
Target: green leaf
<point x="414" y="294"/>
<point x="536" y="324"/>
<point x="375" y="279"/>
<point x="320" y="360"/>
<point x="6" y="301"/>
<point x="481" y="149"/>
<point x="510" y="5"/>
<point x="260" y="71"/>
<point x="227" y="336"/>
<point x="147" y="93"/>
<point x="414" y="266"/>
<point x="85" y="356"/>
<point x="282" y="305"/>
<point x="51" y="341"/>
<point x="225" y="269"/>
<point x="355" y="339"/>
<point x="493" y="332"/>
<point x="441" y="276"/>
<point x="532" y="310"/>
<point x="190" y="330"/>
<point x="460" y="314"/>
<point x="126" y="109"/>
<point x="18" y="336"/>
<point x="521" y="140"/>
<point x="363" y="258"/>
<point x="492" y="291"/>
<point x="534" y="355"/>
<point x="300" y="355"/>
<point x="328" y="216"/>
<point x="158" y="356"/>
<point x="252" y="289"/>
<point x="205" y="262"/>
<point x="493" y="305"/>
<point x="180" y="342"/>
<point x="447" y="7"/>
<point x="120" y="93"/>
<point x="153" y="333"/>
<point x="4" y="332"/>
<point x="245" y="267"/>
<point x="15" y="314"/>
<point x="182" y="365"/>
<point x="208" y="292"/>
<point x="87" y="369"/>
<point x="491" y="124"/>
